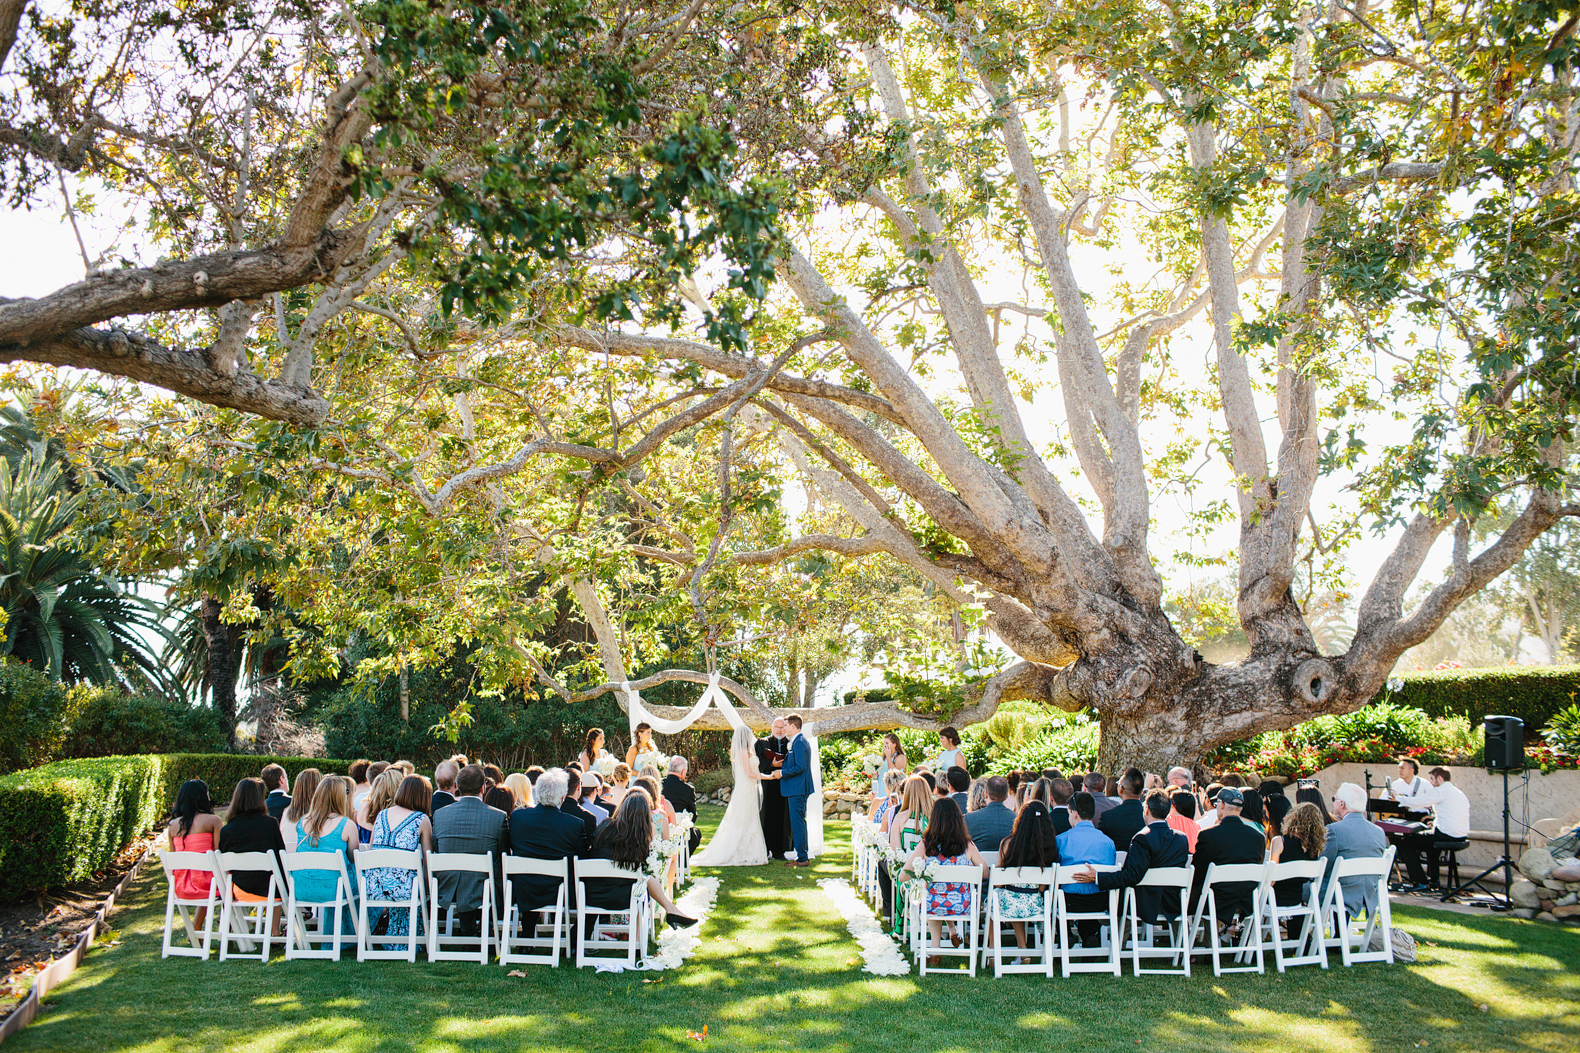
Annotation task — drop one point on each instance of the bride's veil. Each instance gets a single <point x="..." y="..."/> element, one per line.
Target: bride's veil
<point x="742" y="747"/>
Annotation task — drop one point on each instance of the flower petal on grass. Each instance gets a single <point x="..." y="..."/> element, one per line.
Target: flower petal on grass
<point x="879" y="951"/>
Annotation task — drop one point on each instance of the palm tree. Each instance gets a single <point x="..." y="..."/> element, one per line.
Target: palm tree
<point x="62" y="616"/>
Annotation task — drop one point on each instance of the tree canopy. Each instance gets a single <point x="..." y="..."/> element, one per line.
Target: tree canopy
<point x="577" y="301"/>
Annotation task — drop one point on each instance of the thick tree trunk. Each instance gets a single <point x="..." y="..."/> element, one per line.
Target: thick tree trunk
<point x="224" y="664"/>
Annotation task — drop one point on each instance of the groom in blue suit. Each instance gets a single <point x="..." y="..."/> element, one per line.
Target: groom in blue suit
<point x="796" y="784"/>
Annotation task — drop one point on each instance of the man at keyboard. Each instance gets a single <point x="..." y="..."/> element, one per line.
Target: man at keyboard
<point x="1451" y="819"/>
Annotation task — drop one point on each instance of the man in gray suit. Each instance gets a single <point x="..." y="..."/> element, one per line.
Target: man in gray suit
<point x="1352" y="837"/>
<point x="469" y="825"/>
<point x="990" y="825"/>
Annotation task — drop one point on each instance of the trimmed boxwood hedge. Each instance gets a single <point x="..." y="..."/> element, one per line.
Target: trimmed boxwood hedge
<point x="1532" y="693"/>
<point x="64" y="821"/>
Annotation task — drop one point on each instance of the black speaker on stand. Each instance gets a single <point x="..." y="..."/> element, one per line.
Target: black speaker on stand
<point x="1505" y="752"/>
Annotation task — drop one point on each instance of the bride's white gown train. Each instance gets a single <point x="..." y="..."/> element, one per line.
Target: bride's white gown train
<point x="738" y="842"/>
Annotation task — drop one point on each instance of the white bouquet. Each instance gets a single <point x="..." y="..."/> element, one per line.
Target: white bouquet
<point x="604" y="766"/>
<point x="921" y="873"/>
<point x="666" y="848"/>
<point x="871" y="763"/>
<point x="653" y="757"/>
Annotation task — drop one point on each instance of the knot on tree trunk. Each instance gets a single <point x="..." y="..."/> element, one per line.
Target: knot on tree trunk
<point x="1136" y="682"/>
<point x="1315" y="680"/>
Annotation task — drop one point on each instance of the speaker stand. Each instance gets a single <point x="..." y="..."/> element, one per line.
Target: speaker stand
<point x="1504" y="863"/>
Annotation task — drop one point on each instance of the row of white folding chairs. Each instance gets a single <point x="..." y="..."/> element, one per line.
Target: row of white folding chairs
<point x="1323" y="921"/>
<point x="248" y="925"/>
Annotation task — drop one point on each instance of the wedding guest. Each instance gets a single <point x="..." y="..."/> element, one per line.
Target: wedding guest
<point x="643" y="744"/>
<point x="1156" y="845"/>
<point x="1231" y="841"/>
<point x="358" y="774"/>
<point x="545" y="832"/>
<point x="1302" y="838"/>
<point x="1051" y="774"/>
<point x="1274" y="803"/>
<point x="501" y="798"/>
<point x="1179" y="779"/>
<point x="571" y="804"/>
<point x="533" y="773"/>
<point x="1083" y="842"/>
<point x="592" y="791"/>
<point x="1060" y="791"/>
<point x="1209" y="802"/>
<point x="663" y="812"/>
<point x="1353" y="836"/>
<point x="469" y="825"/>
<point x="274" y="782"/>
<point x="1233" y="780"/>
<point x="1112" y="789"/>
<point x="1031" y="843"/>
<point x="1313" y="795"/>
<point x="648" y="771"/>
<point x="493" y="774"/>
<point x="1042" y="792"/>
<point x="683" y="797"/>
<point x="1013" y="778"/>
<point x="626" y="839"/>
<point x="1182" y="815"/>
<point x="520" y="790"/>
<point x="1096" y="785"/>
<point x="619" y="783"/>
<point x="947" y="842"/>
<point x="403" y="824"/>
<point x="916" y="809"/>
<point x="328" y="828"/>
<point x="444" y="776"/>
<point x="991" y="823"/>
<point x="307" y="781"/>
<point x="249" y="828"/>
<point x="1254" y="810"/>
<point x="959" y="787"/>
<point x="406" y="767"/>
<point x="885" y="806"/>
<point x="381" y="796"/>
<point x="193" y="828"/>
<point x="1154" y="782"/>
<point x="976" y="797"/>
<point x="592" y="749"/>
<point x="1123" y="821"/>
<point x="949" y="756"/>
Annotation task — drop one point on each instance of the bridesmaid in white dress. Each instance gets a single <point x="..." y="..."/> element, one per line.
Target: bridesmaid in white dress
<point x="738" y="842"/>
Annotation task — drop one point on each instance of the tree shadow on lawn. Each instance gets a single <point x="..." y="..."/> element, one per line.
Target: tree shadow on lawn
<point x="777" y="971"/>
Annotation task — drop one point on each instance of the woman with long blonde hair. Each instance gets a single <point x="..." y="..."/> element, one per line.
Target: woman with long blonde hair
<point x="520" y="788"/>
<point x="384" y="788"/>
<point x="916" y="810"/>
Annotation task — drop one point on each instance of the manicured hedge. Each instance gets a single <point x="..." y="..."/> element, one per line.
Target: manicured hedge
<point x="1532" y="693"/>
<point x="63" y="821"/>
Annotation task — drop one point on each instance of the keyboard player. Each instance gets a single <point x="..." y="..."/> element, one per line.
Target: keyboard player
<point x="1450" y="820"/>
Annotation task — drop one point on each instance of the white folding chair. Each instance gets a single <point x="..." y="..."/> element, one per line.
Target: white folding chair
<point x="1356" y="947"/>
<point x="412" y="904"/>
<point x="612" y="929"/>
<point x="1178" y="930"/>
<point x="249" y="922"/>
<point x="1309" y="948"/>
<point x="1250" y="942"/>
<point x="472" y="946"/>
<point x="968" y="874"/>
<point x="1083" y="959"/>
<point x="1038" y="932"/>
<point x="198" y="940"/>
<point x="1119" y="859"/>
<point x="557" y="917"/>
<point x="990" y="858"/>
<point x="331" y="913"/>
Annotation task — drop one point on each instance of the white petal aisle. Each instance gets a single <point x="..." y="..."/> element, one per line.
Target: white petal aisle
<point x="880" y="953"/>
<point x="676" y="945"/>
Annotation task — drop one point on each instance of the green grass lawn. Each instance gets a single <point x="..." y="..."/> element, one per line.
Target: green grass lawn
<point x="778" y="971"/>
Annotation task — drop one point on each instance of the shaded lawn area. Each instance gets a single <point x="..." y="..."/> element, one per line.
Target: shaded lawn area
<point x="778" y="971"/>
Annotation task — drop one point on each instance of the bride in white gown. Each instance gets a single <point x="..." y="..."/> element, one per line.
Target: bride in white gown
<point x="738" y="842"/>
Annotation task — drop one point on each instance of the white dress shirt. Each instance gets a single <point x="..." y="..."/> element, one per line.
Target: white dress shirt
<point x="1450" y="808"/>
<point x="1415" y="787"/>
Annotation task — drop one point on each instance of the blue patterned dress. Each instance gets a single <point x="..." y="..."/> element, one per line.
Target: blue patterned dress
<point x="949" y="897"/>
<point x="395" y="882"/>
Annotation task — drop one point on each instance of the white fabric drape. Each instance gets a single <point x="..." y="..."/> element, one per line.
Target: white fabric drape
<point x="715" y="695"/>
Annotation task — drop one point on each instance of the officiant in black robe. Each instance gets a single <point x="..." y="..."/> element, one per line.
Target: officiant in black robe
<point x="776" y="810"/>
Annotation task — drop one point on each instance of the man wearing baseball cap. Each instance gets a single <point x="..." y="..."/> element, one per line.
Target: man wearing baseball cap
<point x="1231" y="841"/>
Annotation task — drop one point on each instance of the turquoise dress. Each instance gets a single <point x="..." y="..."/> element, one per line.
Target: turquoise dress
<point x="318" y="886"/>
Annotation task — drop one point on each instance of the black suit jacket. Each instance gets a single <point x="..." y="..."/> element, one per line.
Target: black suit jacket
<point x="544" y="833"/>
<point x="277" y="803"/>
<point x="1122" y="822"/>
<point x="680" y="794"/>
<point x="762" y="746"/>
<point x="571" y="806"/>
<point x="1061" y="818"/>
<point x="1155" y="845"/>
<point x="1231" y="841"/>
<point x="441" y="798"/>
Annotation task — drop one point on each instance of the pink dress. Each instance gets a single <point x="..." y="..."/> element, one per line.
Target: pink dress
<point x="193" y="884"/>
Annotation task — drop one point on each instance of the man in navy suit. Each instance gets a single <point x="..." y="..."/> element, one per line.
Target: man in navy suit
<point x="1125" y="820"/>
<point x="796" y="782"/>
<point x="1156" y="845"/>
